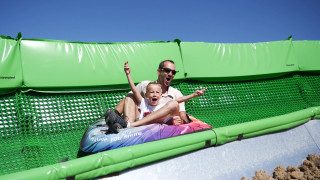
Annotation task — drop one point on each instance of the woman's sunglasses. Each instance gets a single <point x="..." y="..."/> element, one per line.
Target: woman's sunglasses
<point x="167" y="70"/>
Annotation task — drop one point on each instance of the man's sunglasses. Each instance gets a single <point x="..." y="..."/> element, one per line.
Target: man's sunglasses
<point x="167" y="70"/>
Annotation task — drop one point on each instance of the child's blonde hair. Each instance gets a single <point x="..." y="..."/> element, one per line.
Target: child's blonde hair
<point x="153" y="83"/>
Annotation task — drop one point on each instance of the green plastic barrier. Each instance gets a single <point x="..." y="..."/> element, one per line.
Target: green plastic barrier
<point x="10" y="65"/>
<point x="39" y="129"/>
<point x="57" y="65"/>
<point x="119" y="159"/>
<point x="308" y="54"/>
<point x="264" y="126"/>
<point x="221" y="62"/>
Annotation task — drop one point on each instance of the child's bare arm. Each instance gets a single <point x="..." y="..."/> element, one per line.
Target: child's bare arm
<point x="136" y="93"/>
<point x="197" y="93"/>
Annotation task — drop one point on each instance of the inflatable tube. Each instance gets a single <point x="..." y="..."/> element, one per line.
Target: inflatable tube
<point x="96" y="138"/>
<point x="117" y="160"/>
<point x="264" y="126"/>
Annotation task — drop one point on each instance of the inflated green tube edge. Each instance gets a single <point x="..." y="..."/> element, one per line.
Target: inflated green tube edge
<point x="116" y="160"/>
<point x="264" y="126"/>
<point x="140" y="161"/>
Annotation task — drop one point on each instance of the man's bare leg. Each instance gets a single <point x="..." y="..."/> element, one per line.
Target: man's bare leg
<point x="119" y="107"/>
<point x="130" y="109"/>
<point x="170" y="109"/>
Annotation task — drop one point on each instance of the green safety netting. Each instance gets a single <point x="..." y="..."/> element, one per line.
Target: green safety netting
<point x="61" y="87"/>
<point x="232" y="103"/>
<point x="41" y="129"/>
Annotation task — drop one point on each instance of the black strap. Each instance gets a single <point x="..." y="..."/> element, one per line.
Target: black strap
<point x="63" y="160"/>
<point x="71" y="178"/>
<point x="240" y="137"/>
<point x="208" y="143"/>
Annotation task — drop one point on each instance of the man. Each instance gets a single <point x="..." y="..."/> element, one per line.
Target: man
<point x="166" y="72"/>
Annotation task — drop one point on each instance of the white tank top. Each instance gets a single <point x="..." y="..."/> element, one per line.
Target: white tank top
<point x="147" y="109"/>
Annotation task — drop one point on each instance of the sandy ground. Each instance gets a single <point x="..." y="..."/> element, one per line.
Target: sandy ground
<point x="308" y="170"/>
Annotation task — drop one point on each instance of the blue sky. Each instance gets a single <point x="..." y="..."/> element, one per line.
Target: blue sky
<point x="223" y="21"/>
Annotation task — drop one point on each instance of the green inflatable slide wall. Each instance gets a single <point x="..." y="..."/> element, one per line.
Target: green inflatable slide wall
<point x="52" y="90"/>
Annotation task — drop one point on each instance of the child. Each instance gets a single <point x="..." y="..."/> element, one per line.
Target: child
<point x="150" y="109"/>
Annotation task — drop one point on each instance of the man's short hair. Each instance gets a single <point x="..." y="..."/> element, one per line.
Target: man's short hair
<point x="161" y="65"/>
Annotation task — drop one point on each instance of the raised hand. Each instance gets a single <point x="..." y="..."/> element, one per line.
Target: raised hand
<point x="198" y="93"/>
<point x="126" y="68"/>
